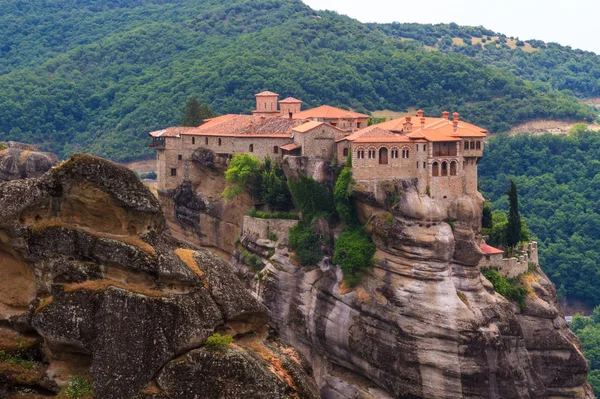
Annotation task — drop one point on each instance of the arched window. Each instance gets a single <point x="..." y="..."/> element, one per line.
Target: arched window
<point x="472" y="145"/>
<point x="466" y="145"/>
<point x="478" y="145"/>
<point x="444" y="168"/>
<point x="435" y="169"/>
<point x="275" y="150"/>
<point x="251" y="148"/>
<point x="206" y="140"/>
<point x="219" y="141"/>
<point x="372" y="153"/>
<point x="193" y="140"/>
<point x="383" y="156"/>
<point x="424" y="147"/>
<point x="405" y="153"/>
<point x="394" y="152"/>
<point x="360" y="153"/>
<point x="345" y="152"/>
<point x="453" y="168"/>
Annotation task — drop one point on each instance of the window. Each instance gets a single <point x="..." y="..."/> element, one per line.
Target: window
<point x="251" y="148"/>
<point x="275" y="150"/>
<point x="424" y="165"/>
<point x="345" y="152"/>
<point x="435" y="169"/>
<point x="394" y="153"/>
<point x="383" y="156"/>
<point x="453" y="168"/>
<point x="472" y="145"/>
<point x="478" y="145"/>
<point x="371" y="154"/>
<point x="206" y="141"/>
<point x="360" y="154"/>
<point x="424" y="147"/>
<point x="444" y="168"/>
<point x="417" y="164"/>
<point x="193" y="140"/>
<point x="173" y="172"/>
<point x="466" y="145"/>
<point x="405" y="153"/>
<point x="179" y="157"/>
<point x="219" y="141"/>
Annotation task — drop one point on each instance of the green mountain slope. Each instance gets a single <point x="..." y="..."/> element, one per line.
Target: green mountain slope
<point x="558" y="179"/>
<point x="561" y="66"/>
<point x="104" y="95"/>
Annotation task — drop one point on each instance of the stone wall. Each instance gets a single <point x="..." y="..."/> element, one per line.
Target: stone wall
<point x="261" y="228"/>
<point x="319" y="142"/>
<point x="512" y="267"/>
<point x="262" y="147"/>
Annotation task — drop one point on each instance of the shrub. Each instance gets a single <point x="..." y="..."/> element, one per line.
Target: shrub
<point x="341" y="195"/>
<point x="275" y="215"/>
<point x="240" y="174"/>
<point x="305" y="243"/>
<point x="508" y="288"/>
<point x="77" y="388"/>
<point x="274" y="190"/>
<point x="354" y="252"/>
<point x="218" y="342"/>
<point x="17" y="361"/>
<point x="253" y="261"/>
<point x="3" y="146"/>
<point x="311" y="197"/>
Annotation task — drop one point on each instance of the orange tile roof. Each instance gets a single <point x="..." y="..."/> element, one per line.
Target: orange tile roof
<point x="308" y="126"/>
<point x="378" y="135"/>
<point x="170" y="131"/>
<point x="266" y="94"/>
<point x="489" y="250"/>
<point x="246" y="126"/>
<point x="329" y="112"/>
<point x="291" y="147"/>
<point x="290" y="100"/>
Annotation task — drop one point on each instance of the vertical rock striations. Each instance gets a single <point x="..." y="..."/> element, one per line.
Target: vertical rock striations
<point x="424" y="322"/>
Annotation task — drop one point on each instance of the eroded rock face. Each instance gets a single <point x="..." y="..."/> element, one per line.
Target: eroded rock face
<point x="424" y="322"/>
<point x="90" y="286"/>
<point x="20" y="161"/>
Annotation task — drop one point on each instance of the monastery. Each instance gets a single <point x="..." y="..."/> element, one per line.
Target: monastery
<point x="440" y="153"/>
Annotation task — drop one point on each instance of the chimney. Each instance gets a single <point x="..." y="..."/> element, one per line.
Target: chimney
<point x="422" y="122"/>
<point x="407" y="124"/>
<point x="290" y="115"/>
<point x="420" y="113"/>
<point x="445" y="114"/>
<point x="455" y="115"/>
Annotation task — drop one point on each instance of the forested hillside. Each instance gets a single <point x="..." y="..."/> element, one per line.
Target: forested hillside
<point x="564" y="68"/>
<point x="86" y="75"/>
<point x="558" y="179"/>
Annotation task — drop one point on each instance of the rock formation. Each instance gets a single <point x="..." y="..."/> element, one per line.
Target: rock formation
<point x="20" y="161"/>
<point x="424" y="322"/>
<point x="90" y="286"/>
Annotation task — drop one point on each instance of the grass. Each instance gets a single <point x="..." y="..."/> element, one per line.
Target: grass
<point x="461" y="295"/>
<point x="276" y="215"/>
<point x="510" y="288"/>
<point x="218" y="342"/>
<point x="77" y="388"/>
<point x="17" y="361"/>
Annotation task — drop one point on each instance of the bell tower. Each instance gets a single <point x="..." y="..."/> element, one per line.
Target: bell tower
<point x="266" y="104"/>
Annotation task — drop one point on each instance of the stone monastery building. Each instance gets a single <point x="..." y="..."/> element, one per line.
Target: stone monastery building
<point x="441" y="153"/>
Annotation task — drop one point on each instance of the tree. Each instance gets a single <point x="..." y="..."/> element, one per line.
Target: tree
<point x="513" y="229"/>
<point x="241" y="173"/>
<point x="274" y="190"/>
<point x="195" y="113"/>
<point x="486" y="216"/>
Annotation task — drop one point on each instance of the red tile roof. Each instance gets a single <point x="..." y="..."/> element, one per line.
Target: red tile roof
<point x="290" y="100"/>
<point x="245" y="126"/>
<point x="291" y="147"/>
<point x="489" y="250"/>
<point x="171" y="131"/>
<point x="266" y="94"/>
<point x="329" y="112"/>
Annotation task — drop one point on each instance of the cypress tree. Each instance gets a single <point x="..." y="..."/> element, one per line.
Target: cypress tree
<point x="195" y="113"/>
<point x="513" y="229"/>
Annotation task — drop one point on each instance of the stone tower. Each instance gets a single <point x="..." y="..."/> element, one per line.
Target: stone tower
<point x="289" y="106"/>
<point x="266" y="104"/>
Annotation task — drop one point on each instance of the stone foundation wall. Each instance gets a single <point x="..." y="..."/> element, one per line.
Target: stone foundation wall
<point x="261" y="228"/>
<point x="512" y="267"/>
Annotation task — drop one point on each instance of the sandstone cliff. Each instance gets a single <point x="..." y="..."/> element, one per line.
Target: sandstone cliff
<point x="20" y="161"/>
<point x="424" y="322"/>
<point x="91" y="287"/>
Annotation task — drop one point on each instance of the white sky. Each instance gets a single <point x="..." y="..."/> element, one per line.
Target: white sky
<point x="574" y="23"/>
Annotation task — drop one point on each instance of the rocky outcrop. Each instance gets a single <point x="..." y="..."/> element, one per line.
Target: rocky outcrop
<point x="90" y="286"/>
<point x="197" y="213"/>
<point x="20" y="161"/>
<point x="424" y="322"/>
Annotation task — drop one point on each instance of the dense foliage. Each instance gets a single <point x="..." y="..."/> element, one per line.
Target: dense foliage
<point x="509" y="288"/>
<point x="98" y="76"/>
<point x="561" y="66"/>
<point x="195" y="113"/>
<point x="559" y="189"/>
<point x="241" y="174"/>
<point x="588" y="331"/>
<point x="274" y="189"/>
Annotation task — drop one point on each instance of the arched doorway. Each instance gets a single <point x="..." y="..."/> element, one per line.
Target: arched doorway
<point x="453" y="168"/>
<point x="383" y="156"/>
<point x="435" y="169"/>
<point x="444" y="168"/>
